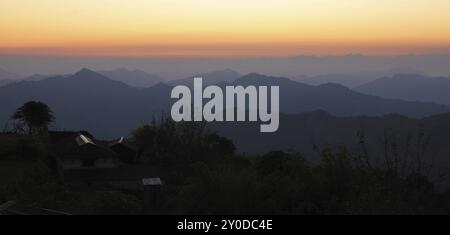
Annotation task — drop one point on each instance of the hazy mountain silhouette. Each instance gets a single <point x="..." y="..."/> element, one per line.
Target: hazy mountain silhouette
<point x="211" y="78"/>
<point x="174" y="68"/>
<point x="410" y="87"/>
<point x="107" y="108"/>
<point x="297" y="97"/>
<point x="135" y="78"/>
<point x="6" y="81"/>
<point x="88" y="100"/>
<point x="7" y="77"/>
<point x="37" y="77"/>
<point x="40" y="77"/>
<point x="352" y="80"/>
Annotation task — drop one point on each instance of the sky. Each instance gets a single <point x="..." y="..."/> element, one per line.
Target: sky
<point x="218" y="28"/>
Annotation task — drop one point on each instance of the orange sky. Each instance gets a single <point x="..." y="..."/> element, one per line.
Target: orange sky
<point x="223" y="28"/>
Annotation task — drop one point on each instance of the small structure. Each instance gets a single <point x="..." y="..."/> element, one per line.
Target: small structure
<point x="152" y="193"/>
<point x="79" y="150"/>
<point x="87" y="163"/>
<point x="151" y="182"/>
<point x="126" y="151"/>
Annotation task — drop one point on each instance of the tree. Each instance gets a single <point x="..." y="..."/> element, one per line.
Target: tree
<point x="33" y="117"/>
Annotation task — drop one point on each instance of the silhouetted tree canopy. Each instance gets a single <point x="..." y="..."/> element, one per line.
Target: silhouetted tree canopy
<point x="33" y="117"/>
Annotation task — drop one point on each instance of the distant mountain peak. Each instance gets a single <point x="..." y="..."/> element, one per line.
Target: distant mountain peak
<point x="256" y="77"/>
<point x="333" y="85"/>
<point x="86" y="72"/>
<point x="132" y="77"/>
<point x="410" y="87"/>
<point x="253" y="75"/>
<point x="7" y="75"/>
<point x="210" y="78"/>
<point x="408" y="76"/>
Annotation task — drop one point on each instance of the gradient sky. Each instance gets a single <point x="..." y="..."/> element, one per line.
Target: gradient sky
<point x="223" y="27"/>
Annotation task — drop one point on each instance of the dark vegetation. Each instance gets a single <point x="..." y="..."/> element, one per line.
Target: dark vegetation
<point x="203" y="174"/>
<point x="206" y="176"/>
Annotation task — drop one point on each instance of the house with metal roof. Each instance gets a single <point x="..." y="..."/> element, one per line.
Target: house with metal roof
<point x="79" y="150"/>
<point x="127" y="152"/>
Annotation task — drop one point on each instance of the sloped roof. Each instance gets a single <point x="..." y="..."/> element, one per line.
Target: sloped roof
<point x="78" y="145"/>
<point x="123" y="142"/>
<point x="83" y="140"/>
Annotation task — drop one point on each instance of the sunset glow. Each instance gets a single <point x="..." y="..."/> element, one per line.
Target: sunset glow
<point x="223" y="28"/>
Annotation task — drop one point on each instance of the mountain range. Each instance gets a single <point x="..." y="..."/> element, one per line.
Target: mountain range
<point x="176" y="67"/>
<point x="355" y="79"/>
<point x="7" y="77"/>
<point x="89" y="100"/>
<point x="336" y="99"/>
<point x="210" y="78"/>
<point x="134" y="78"/>
<point x="410" y="87"/>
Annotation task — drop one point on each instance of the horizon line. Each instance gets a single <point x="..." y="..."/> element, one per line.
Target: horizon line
<point x="262" y="56"/>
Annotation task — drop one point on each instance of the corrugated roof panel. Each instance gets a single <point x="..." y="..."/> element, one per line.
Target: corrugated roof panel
<point x="83" y="140"/>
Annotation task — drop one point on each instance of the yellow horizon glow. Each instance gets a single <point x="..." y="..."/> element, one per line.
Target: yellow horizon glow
<point x="223" y="28"/>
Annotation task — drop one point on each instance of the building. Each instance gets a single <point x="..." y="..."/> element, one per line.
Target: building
<point x="89" y="164"/>
<point x="79" y="150"/>
<point x="126" y="151"/>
